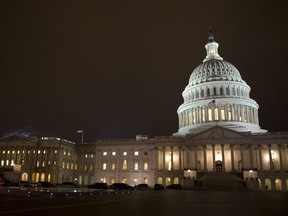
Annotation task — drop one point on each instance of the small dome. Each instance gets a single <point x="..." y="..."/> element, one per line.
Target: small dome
<point x="215" y="70"/>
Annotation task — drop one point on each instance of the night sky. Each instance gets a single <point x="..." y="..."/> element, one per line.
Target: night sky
<point x="118" y="68"/>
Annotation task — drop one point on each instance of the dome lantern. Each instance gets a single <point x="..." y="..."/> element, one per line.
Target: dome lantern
<point x="212" y="47"/>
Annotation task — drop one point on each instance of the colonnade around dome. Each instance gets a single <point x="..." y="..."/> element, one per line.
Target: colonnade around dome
<point x="221" y="112"/>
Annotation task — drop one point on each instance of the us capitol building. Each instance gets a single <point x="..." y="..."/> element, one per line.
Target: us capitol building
<point x="219" y="143"/>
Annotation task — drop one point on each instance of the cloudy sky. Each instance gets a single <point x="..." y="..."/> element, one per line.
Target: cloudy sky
<point x="118" y="68"/>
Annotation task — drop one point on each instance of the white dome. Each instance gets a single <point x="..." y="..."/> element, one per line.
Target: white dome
<point x="217" y="94"/>
<point x="215" y="70"/>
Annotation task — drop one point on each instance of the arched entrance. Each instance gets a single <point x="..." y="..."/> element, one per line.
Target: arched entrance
<point x="268" y="184"/>
<point x="24" y="177"/>
<point x="218" y="166"/>
<point x="167" y="181"/>
<point x="278" y="184"/>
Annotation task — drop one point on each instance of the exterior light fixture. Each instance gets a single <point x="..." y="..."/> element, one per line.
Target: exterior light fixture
<point x="251" y="173"/>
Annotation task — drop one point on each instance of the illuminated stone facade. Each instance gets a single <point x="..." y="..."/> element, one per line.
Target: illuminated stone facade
<point x="218" y="132"/>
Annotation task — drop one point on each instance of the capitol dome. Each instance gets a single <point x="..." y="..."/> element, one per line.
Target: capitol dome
<point x="217" y="95"/>
<point x="215" y="70"/>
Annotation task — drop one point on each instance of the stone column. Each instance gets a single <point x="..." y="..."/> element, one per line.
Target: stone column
<point x="280" y="158"/>
<point x="255" y="116"/>
<point x="196" y="158"/>
<point x="257" y="120"/>
<point x="232" y="112"/>
<point x="206" y="114"/>
<point x="213" y="152"/>
<point x="163" y="156"/>
<point x="197" y="115"/>
<point x="172" y="159"/>
<point x="242" y="157"/>
<point x="246" y="113"/>
<point x="186" y="157"/>
<point x="223" y="158"/>
<point x="205" y="158"/>
<point x="232" y="158"/>
<point x="154" y="165"/>
<point x="184" y="118"/>
<point x="219" y="113"/>
<point x="260" y="158"/>
<point x="285" y="156"/>
<point x="226" y="112"/>
<point x="242" y="113"/>
<point x="251" y="156"/>
<point x="238" y="113"/>
<point x="270" y="158"/>
<point x="180" y="158"/>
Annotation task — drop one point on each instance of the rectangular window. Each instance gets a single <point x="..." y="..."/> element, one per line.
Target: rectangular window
<point x="136" y="166"/>
<point x="124" y="166"/>
<point x="63" y="165"/>
<point x="136" y="153"/>
<point x="104" y="166"/>
<point x="104" y="153"/>
<point x="67" y="165"/>
<point x="145" y="166"/>
<point x="113" y="167"/>
<point x="114" y="153"/>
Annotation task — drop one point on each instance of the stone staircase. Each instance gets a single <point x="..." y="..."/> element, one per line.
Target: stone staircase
<point x="219" y="181"/>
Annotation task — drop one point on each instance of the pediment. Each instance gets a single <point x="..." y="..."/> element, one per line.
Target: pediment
<point x="218" y="132"/>
<point x="17" y="138"/>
